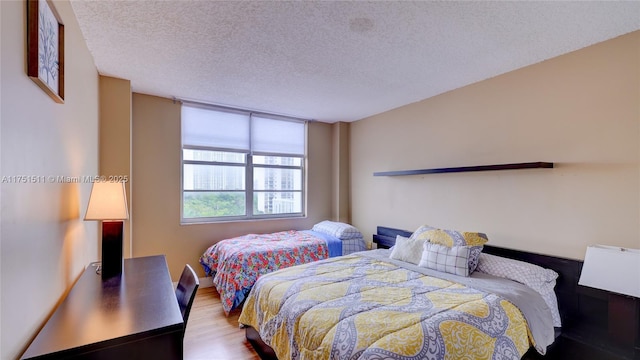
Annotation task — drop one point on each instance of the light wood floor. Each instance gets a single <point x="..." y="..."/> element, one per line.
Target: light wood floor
<point x="211" y="335"/>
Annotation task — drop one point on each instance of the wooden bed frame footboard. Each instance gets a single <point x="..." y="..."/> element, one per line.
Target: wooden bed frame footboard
<point x="576" y="305"/>
<point x="264" y="351"/>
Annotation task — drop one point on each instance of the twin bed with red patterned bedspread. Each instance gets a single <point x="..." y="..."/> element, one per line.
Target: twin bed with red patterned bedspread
<point x="235" y="264"/>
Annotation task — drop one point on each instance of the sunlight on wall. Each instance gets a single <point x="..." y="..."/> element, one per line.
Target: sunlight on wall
<point x="45" y="243"/>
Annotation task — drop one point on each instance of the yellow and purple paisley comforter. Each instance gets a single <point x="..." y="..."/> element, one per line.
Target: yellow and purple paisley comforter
<point x="359" y="307"/>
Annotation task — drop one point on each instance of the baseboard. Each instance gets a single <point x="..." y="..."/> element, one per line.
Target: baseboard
<point x="205" y="282"/>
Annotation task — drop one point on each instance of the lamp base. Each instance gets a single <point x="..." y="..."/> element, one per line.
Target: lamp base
<point x="111" y="248"/>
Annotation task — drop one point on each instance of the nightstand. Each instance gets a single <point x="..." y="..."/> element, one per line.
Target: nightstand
<point x="598" y="328"/>
<point x="564" y="348"/>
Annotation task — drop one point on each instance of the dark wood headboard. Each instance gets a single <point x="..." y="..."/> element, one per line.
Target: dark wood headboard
<point x="569" y="299"/>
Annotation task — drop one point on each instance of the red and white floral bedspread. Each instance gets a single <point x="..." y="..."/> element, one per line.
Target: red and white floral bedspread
<point x="236" y="263"/>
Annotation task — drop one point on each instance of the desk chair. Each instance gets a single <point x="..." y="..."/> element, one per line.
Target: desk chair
<point x="186" y="292"/>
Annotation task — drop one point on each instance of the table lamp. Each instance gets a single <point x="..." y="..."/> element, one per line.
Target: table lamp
<point x="108" y="203"/>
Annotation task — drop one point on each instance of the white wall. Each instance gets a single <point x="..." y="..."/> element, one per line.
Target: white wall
<point x="44" y="242"/>
<point x="580" y="111"/>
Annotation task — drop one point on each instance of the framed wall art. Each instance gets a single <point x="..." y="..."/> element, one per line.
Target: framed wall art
<point x="45" y="48"/>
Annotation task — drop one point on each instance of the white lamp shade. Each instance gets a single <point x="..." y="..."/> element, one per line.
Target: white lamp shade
<point x="108" y="201"/>
<point x="613" y="269"/>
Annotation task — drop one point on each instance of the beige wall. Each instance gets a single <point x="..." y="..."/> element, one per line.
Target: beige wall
<point x="156" y="190"/>
<point x="341" y="185"/>
<point x="44" y="242"/>
<point x="115" y="140"/>
<point x="580" y="111"/>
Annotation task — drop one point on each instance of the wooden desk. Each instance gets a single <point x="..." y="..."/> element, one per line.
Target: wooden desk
<point x="135" y="316"/>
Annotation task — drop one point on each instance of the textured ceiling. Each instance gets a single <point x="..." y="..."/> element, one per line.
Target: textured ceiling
<point x="333" y="61"/>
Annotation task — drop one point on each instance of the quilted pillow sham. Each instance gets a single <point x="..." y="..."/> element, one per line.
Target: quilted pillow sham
<point x="452" y="260"/>
<point x="407" y="249"/>
<point x="337" y="229"/>
<point x="536" y="277"/>
<point x="450" y="238"/>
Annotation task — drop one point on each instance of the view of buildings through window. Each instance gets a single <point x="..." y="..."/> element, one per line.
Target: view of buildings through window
<point x="256" y="173"/>
<point x="273" y="185"/>
<point x="218" y="181"/>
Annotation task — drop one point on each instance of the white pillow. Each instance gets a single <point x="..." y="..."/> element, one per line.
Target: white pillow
<point x="337" y="229"/>
<point x="406" y="249"/>
<point x="452" y="260"/>
<point x="538" y="278"/>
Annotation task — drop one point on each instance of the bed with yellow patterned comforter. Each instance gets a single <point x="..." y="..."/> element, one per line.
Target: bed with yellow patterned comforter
<point x="367" y="306"/>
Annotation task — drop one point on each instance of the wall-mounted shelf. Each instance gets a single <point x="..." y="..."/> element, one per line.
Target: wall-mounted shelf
<point x="516" y="166"/>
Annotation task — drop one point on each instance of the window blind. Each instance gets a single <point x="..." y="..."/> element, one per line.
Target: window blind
<point x="277" y="136"/>
<point x="218" y="129"/>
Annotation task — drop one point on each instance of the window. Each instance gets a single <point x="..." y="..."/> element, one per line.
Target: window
<point x="237" y="165"/>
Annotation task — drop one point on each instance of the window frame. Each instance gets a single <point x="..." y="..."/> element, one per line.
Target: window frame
<point x="249" y="168"/>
